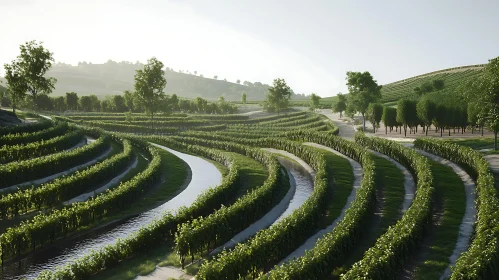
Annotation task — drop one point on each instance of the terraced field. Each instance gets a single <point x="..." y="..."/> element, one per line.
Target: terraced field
<point x="112" y="196"/>
<point x="452" y="79"/>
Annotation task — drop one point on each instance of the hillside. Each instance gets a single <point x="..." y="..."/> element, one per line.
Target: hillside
<point x="452" y="78"/>
<point x="115" y="77"/>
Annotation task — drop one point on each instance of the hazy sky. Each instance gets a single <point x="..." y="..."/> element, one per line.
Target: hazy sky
<point x="310" y="43"/>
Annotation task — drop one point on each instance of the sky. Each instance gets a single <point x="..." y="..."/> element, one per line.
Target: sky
<point x="311" y="44"/>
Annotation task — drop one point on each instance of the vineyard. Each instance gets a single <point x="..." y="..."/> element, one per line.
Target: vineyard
<point x="452" y="79"/>
<point x="284" y="196"/>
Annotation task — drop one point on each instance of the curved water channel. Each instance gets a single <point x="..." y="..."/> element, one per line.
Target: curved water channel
<point x="302" y="185"/>
<point x="203" y="175"/>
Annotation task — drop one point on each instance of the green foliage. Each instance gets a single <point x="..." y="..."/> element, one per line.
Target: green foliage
<point x="482" y="258"/>
<point x="330" y="250"/>
<point x="426" y="111"/>
<point x="63" y="188"/>
<point x="389" y="117"/>
<point x="43" y="228"/>
<point x="19" y="152"/>
<point x="28" y="128"/>
<point x="363" y="90"/>
<point x="375" y="113"/>
<point x="36" y="168"/>
<point x="314" y="101"/>
<point x="406" y="113"/>
<point x="340" y="105"/>
<point x="72" y="100"/>
<point x="243" y="98"/>
<point x="32" y="64"/>
<point x="149" y="85"/>
<point x="27" y="137"/>
<point x="394" y="247"/>
<point x="278" y="96"/>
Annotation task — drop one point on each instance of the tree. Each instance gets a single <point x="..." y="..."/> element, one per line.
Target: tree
<point x="174" y="102"/>
<point x="440" y="118"/>
<point x="243" y="98"/>
<point x="406" y="113"/>
<point x="389" y="118"/>
<point x="314" y="101"/>
<point x="72" y="100"/>
<point x="484" y="92"/>
<point x="149" y="85"/>
<point x="426" y="111"/>
<point x="215" y="77"/>
<point x="221" y="99"/>
<point x="59" y="104"/>
<point x="85" y="104"/>
<point x="340" y="105"/>
<point x="375" y="112"/>
<point x="16" y="85"/>
<point x="278" y="95"/>
<point x="184" y="105"/>
<point x="105" y="105"/>
<point x="238" y="81"/>
<point x="129" y="100"/>
<point x="364" y="90"/>
<point x="32" y="64"/>
<point x="438" y="84"/>
<point x="118" y="102"/>
<point x="44" y="102"/>
<point x="95" y="103"/>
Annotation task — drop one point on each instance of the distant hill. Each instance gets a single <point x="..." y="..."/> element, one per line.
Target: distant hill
<point x="452" y="78"/>
<point x="115" y="77"/>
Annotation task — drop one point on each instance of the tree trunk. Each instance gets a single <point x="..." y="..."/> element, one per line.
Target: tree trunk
<point x="449" y="131"/>
<point x="405" y="130"/>
<point x="374" y="127"/>
<point x="386" y="130"/>
<point x="363" y="123"/>
<point x="441" y="131"/>
<point x="472" y="129"/>
<point x="495" y="140"/>
<point x="426" y="130"/>
<point x="482" y="130"/>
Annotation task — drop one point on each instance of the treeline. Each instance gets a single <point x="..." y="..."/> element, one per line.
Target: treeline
<point x="411" y="114"/>
<point x="123" y="103"/>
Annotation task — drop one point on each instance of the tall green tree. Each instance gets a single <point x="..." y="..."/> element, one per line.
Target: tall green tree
<point x="174" y="102"/>
<point x="389" y="118"/>
<point x="340" y="105"/>
<point x="426" y="110"/>
<point x="118" y="102"/>
<point x="72" y="100"/>
<point x="243" y="98"/>
<point x="95" y="103"/>
<point x="406" y="113"/>
<point x="60" y="104"/>
<point x="33" y="63"/>
<point x="85" y="104"/>
<point x="484" y="92"/>
<point x="364" y="90"/>
<point x="149" y="85"/>
<point x="129" y="100"/>
<point x="278" y="96"/>
<point x="16" y="84"/>
<point x="375" y="112"/>
<point x="440" y="118"/>
<point x="314" y="101"/>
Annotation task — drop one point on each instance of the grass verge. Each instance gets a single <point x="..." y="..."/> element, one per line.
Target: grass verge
<point x="390" y="183"/>
<point x="449" y="191"/>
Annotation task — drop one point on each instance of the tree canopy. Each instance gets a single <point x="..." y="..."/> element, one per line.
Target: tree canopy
<point x="278" y="96"/>
<point x="364" y="90"/>
<point x="149" y="85"/>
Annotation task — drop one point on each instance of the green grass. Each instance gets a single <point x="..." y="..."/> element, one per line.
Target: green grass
<point x="341" y="182"/>
<point x="390" y="182"/>
<point x="475" y="143"/>
<point x="449" y="191"/>
<point x="253" y="174"/>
